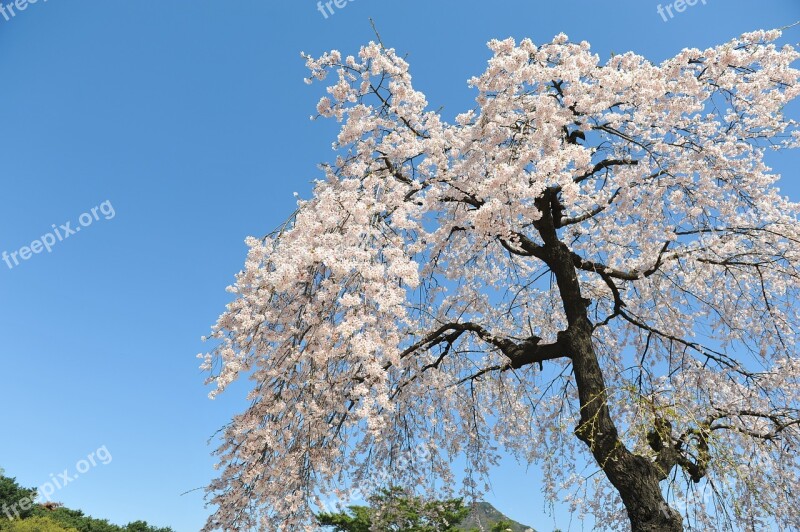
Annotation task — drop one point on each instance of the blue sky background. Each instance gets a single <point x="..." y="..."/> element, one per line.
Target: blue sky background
<point x="191" y="118"/>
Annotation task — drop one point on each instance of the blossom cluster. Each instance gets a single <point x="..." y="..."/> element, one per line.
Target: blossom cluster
<point x="375" y="320"/>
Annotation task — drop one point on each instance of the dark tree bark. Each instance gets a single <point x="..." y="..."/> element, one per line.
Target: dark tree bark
<point x="635" y="477"/>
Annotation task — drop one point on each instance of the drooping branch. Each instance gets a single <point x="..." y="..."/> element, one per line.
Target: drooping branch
<point x="780" y="421"/>
<point x="602" y="165"/>
<point x="519" y="354"/>
<point x="711" y="354"/>
<point x="591" y="213"/>
<point x="632" y="275"/>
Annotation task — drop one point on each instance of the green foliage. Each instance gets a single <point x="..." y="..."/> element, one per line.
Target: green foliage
<point x="359" y="521"/>
<point x="77" y="520"/>
<point x="15" y="501"/>
<point x="33" y="524"/>
<point x="142" y="526"/>
<point x="394" y="510"/>
<point x="83" y="523"/>
<point x="502" y="526"/>
<point x="19" y="514"/>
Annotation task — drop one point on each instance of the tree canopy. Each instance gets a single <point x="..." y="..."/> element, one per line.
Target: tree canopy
<point x="19" y="513"/>
<point x="394" y="510"/>
<point x="33" y="524"/>
<point x="15" y="501"/>
<point x="593" y="265"/>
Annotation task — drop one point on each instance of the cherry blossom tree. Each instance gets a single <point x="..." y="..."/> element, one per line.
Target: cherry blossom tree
<point x="592" y="270"/>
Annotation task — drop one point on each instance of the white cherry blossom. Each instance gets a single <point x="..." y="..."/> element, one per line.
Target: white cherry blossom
<point x="592" y="270"/>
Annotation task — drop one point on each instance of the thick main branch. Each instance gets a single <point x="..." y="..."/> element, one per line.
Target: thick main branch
<point x="635" y="477"/>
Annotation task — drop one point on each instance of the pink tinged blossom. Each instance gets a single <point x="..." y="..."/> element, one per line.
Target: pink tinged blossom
<point x="374" y="322"/>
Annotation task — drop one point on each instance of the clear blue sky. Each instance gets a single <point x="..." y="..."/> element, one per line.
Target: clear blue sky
<point x="191" y="118"/>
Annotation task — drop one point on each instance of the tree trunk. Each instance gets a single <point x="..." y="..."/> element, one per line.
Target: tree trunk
<point x="635" y="477"/>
